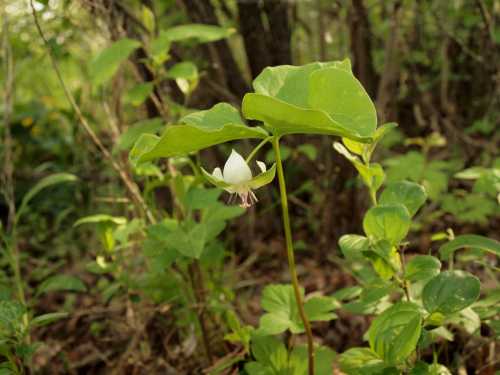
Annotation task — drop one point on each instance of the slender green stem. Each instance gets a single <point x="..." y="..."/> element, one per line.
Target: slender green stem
<point x="256" y="149"/>
<point x="291" y="257"/>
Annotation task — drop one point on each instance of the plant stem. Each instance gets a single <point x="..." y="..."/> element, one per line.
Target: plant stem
<point x="291" y="257"/>
<point x="259" y="146"/>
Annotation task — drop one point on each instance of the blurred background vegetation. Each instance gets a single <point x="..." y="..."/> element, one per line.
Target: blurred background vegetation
<point x="431" y="66"/>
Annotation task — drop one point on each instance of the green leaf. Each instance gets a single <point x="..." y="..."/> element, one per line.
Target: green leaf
<point x="214" y="118"/>
<point x="45" y="319"/>
<point x="347" y="102"/>
<point x="186" y="70"/>
<point x="353" y="245"/>
<point x="139" y="93"/>
<point x="372" y="174"/>
<point x="422" y="267"/>
<point x="287" y="100"/>
<point x="105" y="65"/>
<point x="278" y="300"/>
<point x="189" y="239"/>
<point x="363" y="361"/>
<point x="11" y="313"/>
<point x="61" y="282"/>
<point x="270" y="354"/>
<point x="201" y="130"/>
<point x="422" y="368"/>
<point x="202" y="33"/>
<point x="388" y="222"/>
<point x="323" y="361"/>
<point x="450" y="292"/>
<point x="320" y="308"/>
<point x="471" y="241"/>
<point x="394" y="334"/>
<point x="409" y="194"/>
<point x="101" y="218"/>
<point x="130" y="136"/>
<point x="44" y="183"/>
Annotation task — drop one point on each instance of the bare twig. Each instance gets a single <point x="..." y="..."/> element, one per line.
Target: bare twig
<point x="129" y="184"/>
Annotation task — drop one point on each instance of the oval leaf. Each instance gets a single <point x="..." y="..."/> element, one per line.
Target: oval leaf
<point x="61" y="282"/>
<point x="409" y="194"/>
<point x="450" y="292"/>
<point x="105" y="65"/>
<point x="387" y="222"/>
<point x="394" y="334"/>
<point x="422" y="267"/>
<point x="471" y="241"/>
<point x="287" y="100"/>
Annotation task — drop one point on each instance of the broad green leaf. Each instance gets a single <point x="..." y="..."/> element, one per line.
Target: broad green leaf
<point x="105" y="65"/>
<point x="44" y="183"/>
<point x="470" y="241"/>
<point x="278" y="300"/>
<point x="101" y="218"/>
<point x="61" y="282"/>
<point x="130" y="136"/>
<point x="387" y="222"/>
<point x="352" y="246"/>
<point x="422" y="267"/>
<point x="185" y="69"/>
<point x="201" y="130"/>
<point x="214" y="118"/>
<point x="138" y="94"/>
<point x="279" y="303"/>
<point x="364" y="361"/>
<point x="45" y="319"/>
<point x="323" y="360"/>
<point x="394" y="334"/>
<point x="269" y="352"/>
<point x="320" y="308"/>
<point x="450" y="292"/>
<point x="287" y="100"/>
<point x="342" y="96"/>
<point x="202" y="33"/>
<point x="409" y="194"/>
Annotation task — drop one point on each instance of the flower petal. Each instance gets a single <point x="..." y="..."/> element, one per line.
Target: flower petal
<point x="236" y="170"/>
<point x="262" y="166"/>
<point x="217" y="173"/>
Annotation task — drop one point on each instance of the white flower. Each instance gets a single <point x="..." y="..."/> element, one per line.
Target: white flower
<point x="236" y="178"/>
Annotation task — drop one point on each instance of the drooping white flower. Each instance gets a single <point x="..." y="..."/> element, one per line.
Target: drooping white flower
<point x="237" y="178"/>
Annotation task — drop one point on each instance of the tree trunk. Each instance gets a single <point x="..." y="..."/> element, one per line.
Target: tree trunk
<point x="254" y="36"/>
<point x="361" y="47"/>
